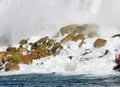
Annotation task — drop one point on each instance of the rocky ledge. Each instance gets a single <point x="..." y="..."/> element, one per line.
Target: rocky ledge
<point x="26" y="52"/>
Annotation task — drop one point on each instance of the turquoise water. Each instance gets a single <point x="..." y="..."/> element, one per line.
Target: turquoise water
<point x="54" y="80"/>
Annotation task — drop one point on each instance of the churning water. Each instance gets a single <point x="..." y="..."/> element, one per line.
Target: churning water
<point x="26" y="18"/>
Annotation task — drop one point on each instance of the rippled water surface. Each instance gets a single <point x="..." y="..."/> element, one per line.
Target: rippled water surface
<point x="53" y="80"/>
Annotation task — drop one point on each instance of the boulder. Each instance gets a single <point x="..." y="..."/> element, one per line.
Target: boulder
<point x="42" y="47"/>
<point x="1" y="55"/>
<point x="99" y="42"/>
<point x="89" y="30"/>
<point x="70" y="29"/>
<point x="56" y="48"/>
<point x="11" y="49"/>
<point x="79" y="37"/>
<point x="50" y="42"/>
<point x="41" y="41"/>
<point x="116" y="35"/>
<point x="11" y="65"/>
<point x="117" y="67"/>
<point x="1" y="63"/>
<point x="67" y="38"/>
<point x="16" y="57"/>
<point x="21" y="49"/>
<point x="23" y="41"/>
<point x="27" y="59"/>
<point x="5" y="59"/>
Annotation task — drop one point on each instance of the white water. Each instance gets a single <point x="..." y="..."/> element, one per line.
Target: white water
<point x="25" y="18"/>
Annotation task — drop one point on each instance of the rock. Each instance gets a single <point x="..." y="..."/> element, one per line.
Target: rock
<point x="23" y="41"/>
<point x="117" y="35"/>
<point x="56" y="48"/>
<point x="16" y="57"/>
<point x="27" y="59"/>
<point x="117" y="67"/>
<point x="81" y="43"/>
<point x="50" y="42"/>
<point x="79" y="37"/>
<point x="92" y="34"/>
<point x="5" y="59"/>
<point x="42" y="47"/>
<point x="99" y="42"/>
<point x="67" y="38"/>
<point x="70" y="29"/>
<point x="11" y="49"/>
<point x="39" y="42"/>
<point x="22" y="49"/>
<point x="11" y="65"/>
<point x="42" y="40"/>
<point x="89" y="30"/>
<point x="1" y="63"/>
<point x="1" y="55"/>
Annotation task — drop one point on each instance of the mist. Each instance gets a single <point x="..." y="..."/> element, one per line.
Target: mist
<point x="25" y="18"/>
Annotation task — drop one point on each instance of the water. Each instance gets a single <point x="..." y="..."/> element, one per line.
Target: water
<point x="25" y="18"/>
<point x="54" y="80"/>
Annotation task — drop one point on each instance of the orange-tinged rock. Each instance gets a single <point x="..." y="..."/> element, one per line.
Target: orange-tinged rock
<point x="67" y="38"/>
<point x="11" y="49"/>
<point x="79" y="37"/>
<point x="27" y="59"/>
<point x="23" y="41"/>
<point x="11" y="65"/>
<point x="99" y="42"/>
<point x="1" y="55"/>
<point x="1" y="63"/>
<point x="50" y="42"/>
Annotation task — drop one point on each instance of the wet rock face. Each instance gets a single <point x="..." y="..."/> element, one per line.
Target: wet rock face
<point x="87" y="29"/>
<point x="99" y="43"/>
<point x="11" y="65"/>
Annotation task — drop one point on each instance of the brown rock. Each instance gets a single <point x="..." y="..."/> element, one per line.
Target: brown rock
<point x="50" y="42"/>
<point x="99" y="42"/>
<point x="79" y="37"/>
<point x="21" y="49"/>
<point x="67" y="38"/>
<point x="11" y="49"/>
<point x="23" y="41"/>
<point x="1" y="63"/>
<point x="16" y="57"/>
<point x="55" y="47"/>
<point x="92" y="34"/>
<point x="70" y="29"/>
<point x="79" y="29"/>
<point x="1" y="55"/>
<point x="27" y="59"/>
<point x="5" y="59"/>
<point x="11" y="65"/>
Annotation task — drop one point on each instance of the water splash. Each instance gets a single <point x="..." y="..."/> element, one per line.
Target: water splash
<point x="25" y="18"/>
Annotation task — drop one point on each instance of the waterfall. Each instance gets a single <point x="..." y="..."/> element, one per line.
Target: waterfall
<point x="24" y="18"/>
